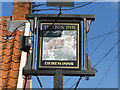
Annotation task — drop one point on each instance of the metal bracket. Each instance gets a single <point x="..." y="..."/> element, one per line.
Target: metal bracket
<point x="24" y="43"/>
<point x="88" y="22"/>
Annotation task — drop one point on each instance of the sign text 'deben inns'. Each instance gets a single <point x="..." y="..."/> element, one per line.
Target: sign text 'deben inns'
<point x="59" y="45"/>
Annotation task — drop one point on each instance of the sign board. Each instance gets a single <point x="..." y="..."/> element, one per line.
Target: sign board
<point x="60" y="3"/>
<point x="59" y="45"/>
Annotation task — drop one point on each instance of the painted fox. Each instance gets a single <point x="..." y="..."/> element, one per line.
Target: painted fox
<point x="59" y="43"/>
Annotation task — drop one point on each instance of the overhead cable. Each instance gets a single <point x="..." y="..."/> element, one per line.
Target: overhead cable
<point x="64" y="9"/>
<point x="106" y="54"/>
<point x="103" y="39"/>
<point x="108" y="70"/>
<point x="101" y="35"/>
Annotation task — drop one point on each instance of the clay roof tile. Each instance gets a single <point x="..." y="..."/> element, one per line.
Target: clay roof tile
<point x="16" y="58"/>
<point x="16" y="44"/>
<point x="7" y="59"/>
<point x="5" y="74"/>
<point x="6" y="66"/>
<point x="15" y="66"/>
<point x="8" y="52"/>
<point x="4" y="82"/>
<point x="19" y="32"/>
<point x="1" y="53"/>
<point x="12" y="82"/>
<point x="5" y="33"/>
<point x="9" y="45"/>
<point x="14" y="74"/>
<point x="17" y="37"/>
<point x="16" y="51"/>
<point x="2" y="46"/>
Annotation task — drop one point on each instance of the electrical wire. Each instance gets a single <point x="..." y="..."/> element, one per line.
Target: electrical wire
<point x="73" y="85"/>
<point x="101" y="35"/>
<point x="80" y="3"/>
<point x="64" y="9"/>
<point x="106" y="54"/>
<point x="103" y="39"/>
<point x="39" y="82"/>
<point x="38" y="5"/>
<point x="45" y="4"/>
<point x="78" y="83"/>
<point x="7" y="36"/>
<point x="25" y="82"/>
<point x="67" y="80"/>
<point x="80" y="6"/>
<point x="97" y="64"/>
<point x="108" y="70"/>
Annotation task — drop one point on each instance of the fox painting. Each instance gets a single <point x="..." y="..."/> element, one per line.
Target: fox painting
<point x="59" y="43"/>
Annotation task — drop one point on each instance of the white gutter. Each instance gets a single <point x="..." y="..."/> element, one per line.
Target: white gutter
<point x="23" y="60"/>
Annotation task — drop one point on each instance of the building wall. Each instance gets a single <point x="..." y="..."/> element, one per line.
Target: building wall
<point x="10" y="55"/>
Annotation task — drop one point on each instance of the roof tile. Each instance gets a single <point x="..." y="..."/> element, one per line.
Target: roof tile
<point x="16" y="44"/>
<point x="5" y="74"/>
<point x="9" y="45"/>
<point x="2" y="40"/>
<point x="3" y="27"/>
<point x="16" y="58"/>
<point x="15" y="66"/>
<point x="5" y="33"/>
<point x="19" y="32"/>
<point x="4" y="82"/>
<point x="11" y="88"/>
<point x="12" y="82"/>
<point x="16" y="51"/>
<point x="8" y="52"/>
<point x="1" y="53"/>
<point x="2" y="46"/>
<point x="6" y="66"/>
<point x="0" y="59"/>
<point x="0" y="66"/>
<point x="14" y="74"/>
<point x="17" y="37"/>
<point x="7" y="59"/>
<point x="9" y="74"/>
<point x="10" y="40"/>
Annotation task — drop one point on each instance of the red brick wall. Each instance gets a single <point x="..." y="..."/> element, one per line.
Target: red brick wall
<point x="20" y="9"/>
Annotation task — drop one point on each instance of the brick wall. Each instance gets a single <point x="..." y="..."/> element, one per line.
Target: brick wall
<point x="20" y="9"/>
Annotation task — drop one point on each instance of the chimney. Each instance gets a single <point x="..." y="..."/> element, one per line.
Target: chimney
<point x="20" y="9"/>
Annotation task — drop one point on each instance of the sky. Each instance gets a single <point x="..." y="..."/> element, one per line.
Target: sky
<point x="106" y="17"/>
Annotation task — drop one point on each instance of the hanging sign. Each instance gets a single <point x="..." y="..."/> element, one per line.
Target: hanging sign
<point x="59" y="45"/>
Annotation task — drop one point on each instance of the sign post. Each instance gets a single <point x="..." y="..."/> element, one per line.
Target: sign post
<point x="59" y="47"/>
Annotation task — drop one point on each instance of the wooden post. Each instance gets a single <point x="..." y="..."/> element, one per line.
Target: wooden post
<point x="58" y="80"/>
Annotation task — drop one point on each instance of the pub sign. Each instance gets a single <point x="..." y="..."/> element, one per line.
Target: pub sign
<point x="59" y="45"/>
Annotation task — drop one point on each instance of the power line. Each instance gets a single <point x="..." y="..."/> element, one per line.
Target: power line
<point x="107" y="70"/>
<point x="7" y="36"/>
<point x="33" y="10"/>
<point x="39" y="82"/>
<point x="78" y="83"/>
<point x="67" y="80"/>
<point x="45" y="4"/>
<point x="102" y="35"/>
<point x="73" y="85"/>
<point x="106" y="54"/>
<point x="80" y="6"/>
<point x="103" y="39"/>
<point x="98" y="63"/>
